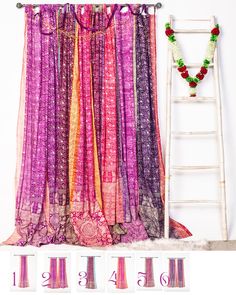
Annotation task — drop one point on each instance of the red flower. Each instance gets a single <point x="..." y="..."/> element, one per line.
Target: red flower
<point x="182" y="69"/>
<point x="169" y="32"/>
<point x="215" y="31"/>
<point x="185" y="74"/>
<point x="200" y="76"/>
<point x="193" y="84"/>
<point x="203" y="70"/>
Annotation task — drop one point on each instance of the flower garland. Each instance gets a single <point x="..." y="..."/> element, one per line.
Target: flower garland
<point x="193" y="81"/>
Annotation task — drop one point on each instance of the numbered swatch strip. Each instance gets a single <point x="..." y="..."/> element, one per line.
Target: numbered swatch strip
<point x="121" y="272"/>
<point x="57" y="273"/>
<point x="91" y="271"/>
<point x="148" y="269"/>
<point x="23" y="272"/>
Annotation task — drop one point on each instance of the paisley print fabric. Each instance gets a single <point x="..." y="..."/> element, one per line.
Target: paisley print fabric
<point x="86" y="216"/>
<point x="90" y="163"/>
<point x="150" y="162"/>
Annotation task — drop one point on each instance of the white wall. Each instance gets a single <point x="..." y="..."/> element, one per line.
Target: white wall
<point x="204" y="223"/>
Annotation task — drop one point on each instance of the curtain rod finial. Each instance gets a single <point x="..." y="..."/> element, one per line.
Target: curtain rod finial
<point x="19" y="5"/>
<point x="158" y="5"/>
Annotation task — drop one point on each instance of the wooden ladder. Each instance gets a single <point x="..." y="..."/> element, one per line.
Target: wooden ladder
<point x="216" y="99"/>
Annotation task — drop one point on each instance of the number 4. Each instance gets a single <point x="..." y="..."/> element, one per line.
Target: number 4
<point x="113" y="278"/>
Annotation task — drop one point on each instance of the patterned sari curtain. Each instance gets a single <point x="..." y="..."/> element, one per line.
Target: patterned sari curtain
<point x="91" y="169"/>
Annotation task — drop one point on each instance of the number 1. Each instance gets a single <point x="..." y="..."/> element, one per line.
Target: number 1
<point x="14" y="278"/>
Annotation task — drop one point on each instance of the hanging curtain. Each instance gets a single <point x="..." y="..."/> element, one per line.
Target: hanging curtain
<point x="121" y="281"/>
<point x="90" y="165"/>
<point x="149" y="282"/>
<point x="53" y="281"/>
<point x="91" y="280"/>
<point x="23" y="279"/>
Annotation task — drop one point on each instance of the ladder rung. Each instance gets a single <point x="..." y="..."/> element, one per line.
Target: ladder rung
<point x="193" y="133"/>
<point x="192" y="31"/>
<point x="189" y="99"/>
<point x="192" y="65"/>
<point x="206" y="167"/>
<point x="190" y="168"/>
<point x="201" y="202"/>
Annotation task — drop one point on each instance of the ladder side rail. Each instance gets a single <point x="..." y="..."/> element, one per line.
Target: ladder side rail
<point x="168" y="137"/>
<point x="220" y="140"/>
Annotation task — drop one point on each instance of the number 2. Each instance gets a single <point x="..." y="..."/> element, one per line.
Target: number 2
<point x="46" y="276"/>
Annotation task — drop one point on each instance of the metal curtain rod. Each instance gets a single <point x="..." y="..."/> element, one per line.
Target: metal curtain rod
<point x="157" y="5"/>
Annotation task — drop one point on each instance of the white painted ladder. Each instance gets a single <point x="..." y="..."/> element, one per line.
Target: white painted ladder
<point x="169" y="168"/>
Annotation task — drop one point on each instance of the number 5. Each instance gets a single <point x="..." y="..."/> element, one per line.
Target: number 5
<point x="141" y="278"/>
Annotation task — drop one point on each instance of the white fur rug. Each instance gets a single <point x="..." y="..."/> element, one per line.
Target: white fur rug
<point x="158" y="244"/>
<point x="163" y="244"/>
